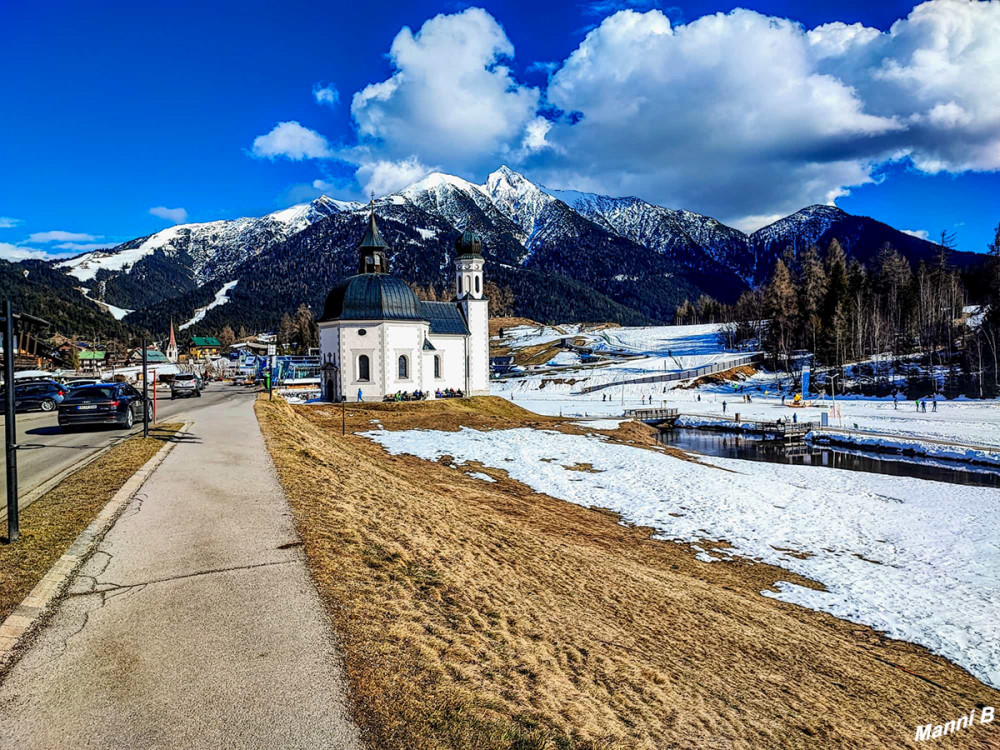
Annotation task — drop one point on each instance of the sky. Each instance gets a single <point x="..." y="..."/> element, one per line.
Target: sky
<point x="121" y="119"/>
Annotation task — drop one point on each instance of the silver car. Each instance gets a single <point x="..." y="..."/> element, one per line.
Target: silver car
<point x="185" y="384"/>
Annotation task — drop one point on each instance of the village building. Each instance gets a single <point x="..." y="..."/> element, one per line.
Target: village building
<point x="203" y="347"/>
<point x="377" y="338"/>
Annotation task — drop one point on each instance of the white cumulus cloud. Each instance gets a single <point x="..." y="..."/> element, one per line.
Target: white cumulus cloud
<point x="59" y="236"/>
<point x="176" y="215"/>
<point x="920" y="233"/>
<point x="451" y="101"/>
<point x="6" y="222"/>
<point x="386" y="176"/>
<point x="291" y="141"/>
<point x="18" y="252"/>
<point x="738" y="115"/>
<point x="326" y="94"/>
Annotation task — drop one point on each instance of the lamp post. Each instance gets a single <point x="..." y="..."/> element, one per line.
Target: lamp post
<point x="833" y="396"/>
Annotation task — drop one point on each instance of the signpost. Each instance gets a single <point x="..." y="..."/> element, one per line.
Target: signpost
<point x="13" y="526"/>
<point x="10" y="347"/>
<point x="272" y="352"/>
<point x="145" y="393"/>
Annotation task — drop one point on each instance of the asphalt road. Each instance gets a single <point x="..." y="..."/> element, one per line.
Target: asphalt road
<point x="195" y="623"/>
<point x="46" y="451"/>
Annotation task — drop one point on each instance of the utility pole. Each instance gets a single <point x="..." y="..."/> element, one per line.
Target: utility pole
<point x="13" y="525"/>
<point x="145" y="395"/>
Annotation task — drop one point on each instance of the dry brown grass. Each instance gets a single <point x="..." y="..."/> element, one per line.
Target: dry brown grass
<point x="52" y="523"/>
<point x="497" y="323"/>
<point x="739" y="374"/>
<point x="485" y="615"/>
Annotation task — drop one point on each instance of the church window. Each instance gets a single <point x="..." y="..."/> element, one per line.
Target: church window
<point x="460" y="285"/>
<point x="364" y="368"/>
<point x="403" y="367"/>
<point x="477" y="285"/>
<point x="437" y="365"/>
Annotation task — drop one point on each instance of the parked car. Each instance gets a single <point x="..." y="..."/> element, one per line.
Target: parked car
<point x="105" y="403"/>
<point x="185" y="384"/>
<point x="80" y="382"/>
<point x="37" y="394"/>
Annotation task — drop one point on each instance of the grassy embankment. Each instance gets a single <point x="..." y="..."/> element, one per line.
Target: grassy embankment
<point x="52" y="523"/>
<point x="484" y="615"/>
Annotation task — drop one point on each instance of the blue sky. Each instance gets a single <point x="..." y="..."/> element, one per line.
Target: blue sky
<point x="124" y="118"/>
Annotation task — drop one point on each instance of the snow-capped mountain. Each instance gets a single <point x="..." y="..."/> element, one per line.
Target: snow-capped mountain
<point x="198" y="252"/>
<point x="621" y="259"/>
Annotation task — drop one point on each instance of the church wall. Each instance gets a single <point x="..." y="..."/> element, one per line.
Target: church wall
<point x="452" y="352"/>
<point x="404" y="339"/>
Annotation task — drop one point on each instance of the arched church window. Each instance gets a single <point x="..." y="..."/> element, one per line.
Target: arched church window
<point x="459" y="286"/>
<point x="437" y="365"/>
<point x="364" y="368"/>
<point x="403" y="367"/>
<point x="477" y="285"/>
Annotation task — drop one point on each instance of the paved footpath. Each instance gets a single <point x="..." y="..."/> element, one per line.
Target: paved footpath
<point x="195" y="623"/>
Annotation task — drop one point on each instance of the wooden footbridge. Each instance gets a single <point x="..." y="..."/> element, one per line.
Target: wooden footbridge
<point x="655" y="417"/>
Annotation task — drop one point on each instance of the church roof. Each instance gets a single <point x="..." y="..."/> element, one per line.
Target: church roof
<point x="444" y="317"/>
<point x="372" y="296"/>
<point x="372" y="238"/>
<point x="469" y="245"/>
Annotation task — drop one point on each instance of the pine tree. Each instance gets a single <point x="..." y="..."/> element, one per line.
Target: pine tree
<point x="227" y="338"/>
<point x="286" y="331"/>
<point x="812" y="294"/>
<point x="306" y="332"/>
<point x="782" y="309"/>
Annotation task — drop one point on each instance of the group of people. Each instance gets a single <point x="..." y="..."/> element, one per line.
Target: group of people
<point x="405" y="396"/>
<point x="920" y="404"/>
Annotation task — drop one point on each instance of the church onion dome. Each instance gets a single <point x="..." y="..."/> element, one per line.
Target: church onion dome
<point x="372" y="296"/>
<point x="468" y="245"/>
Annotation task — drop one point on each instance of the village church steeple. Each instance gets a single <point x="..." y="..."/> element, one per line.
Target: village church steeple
<point x="372" y="248"/>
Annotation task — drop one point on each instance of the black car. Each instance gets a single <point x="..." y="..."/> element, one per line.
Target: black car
<point x="105" y="403"/>
<point x="37" y="394"/>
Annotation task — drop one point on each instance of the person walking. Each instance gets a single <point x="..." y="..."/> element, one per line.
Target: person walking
<point x="895" y="402"/>
<point x="916" y="403"/>
<point x="795" y="418"/>
<point x="923" y="406"/>
<point x="934" y="404"/>
<point x="723" y="407"/>
<point x="782" y="399"/>
<point x="360" y="399"/>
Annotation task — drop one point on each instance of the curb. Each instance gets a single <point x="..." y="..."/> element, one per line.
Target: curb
<point x="30" y="613"/>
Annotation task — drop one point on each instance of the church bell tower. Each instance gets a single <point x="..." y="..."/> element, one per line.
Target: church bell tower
<point x="469" y="290"/>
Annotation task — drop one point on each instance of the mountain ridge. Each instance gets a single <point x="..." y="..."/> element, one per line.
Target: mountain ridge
<point x="644" y="257"/>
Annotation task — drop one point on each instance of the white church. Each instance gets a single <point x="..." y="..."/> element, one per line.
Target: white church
<point x="377" y="338"/>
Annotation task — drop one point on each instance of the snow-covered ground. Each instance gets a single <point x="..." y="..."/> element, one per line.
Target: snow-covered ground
<point x="913" y="558"/>
<point x="221" y="298"/>
<point x="116" y="312"/>
<point x="671" y="348"/>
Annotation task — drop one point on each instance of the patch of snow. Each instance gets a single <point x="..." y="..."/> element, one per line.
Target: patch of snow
<point x="221" y="298"/>
<point x="116" y="312"/>
<point x="481" y="475"/>
<point x="601" y="424"/>
<point x="427" y="234"/>
<point x="913" y="558"/>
